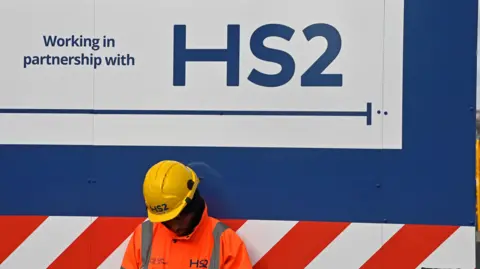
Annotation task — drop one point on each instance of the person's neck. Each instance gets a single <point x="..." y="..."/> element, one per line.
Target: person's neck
<point x="198" y="213"/>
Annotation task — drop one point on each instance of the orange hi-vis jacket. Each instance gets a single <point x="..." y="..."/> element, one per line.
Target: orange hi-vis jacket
<point x="212" y="245"/>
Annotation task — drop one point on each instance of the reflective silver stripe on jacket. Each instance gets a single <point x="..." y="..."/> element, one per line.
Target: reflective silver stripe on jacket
<point x="217" y="233"/>
<point x="147" y="235"/>
<point x="145" y="248"/>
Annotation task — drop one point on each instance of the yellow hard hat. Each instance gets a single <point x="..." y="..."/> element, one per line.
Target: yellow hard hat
<point x="168" y="187"/>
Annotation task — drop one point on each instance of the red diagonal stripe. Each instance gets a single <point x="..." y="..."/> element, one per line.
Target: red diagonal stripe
<point x="234" y="224"/>
<point x="14" y="230"/>
<point x="301" y="245"/>
<point x="409" y="247"/>
<point x="96" y="243"/>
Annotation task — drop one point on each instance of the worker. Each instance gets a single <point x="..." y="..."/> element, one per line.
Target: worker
<point x="179" y="233"/>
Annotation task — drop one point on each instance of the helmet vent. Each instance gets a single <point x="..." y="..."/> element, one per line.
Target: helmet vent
<point x="190" y="184"/>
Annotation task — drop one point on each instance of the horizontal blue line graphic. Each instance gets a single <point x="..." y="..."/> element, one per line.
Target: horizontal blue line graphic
<point x="367" y="113"/>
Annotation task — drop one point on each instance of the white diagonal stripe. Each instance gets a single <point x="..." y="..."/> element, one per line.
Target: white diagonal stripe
<point x="47" y="242"/>
<point x="114" y="261"/>
<point x="261" y="235"/>
<point x="458" y="251"/>
<point x="359" y="241"/>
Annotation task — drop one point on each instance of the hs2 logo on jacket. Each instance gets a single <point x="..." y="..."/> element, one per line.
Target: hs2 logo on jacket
<point x="196" y="263"/>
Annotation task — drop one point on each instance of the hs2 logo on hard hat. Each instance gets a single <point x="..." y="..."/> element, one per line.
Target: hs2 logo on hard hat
<point x="159" y="208"/>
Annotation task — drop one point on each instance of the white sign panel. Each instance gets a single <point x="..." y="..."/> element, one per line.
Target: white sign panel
<point x="315" y="74"/>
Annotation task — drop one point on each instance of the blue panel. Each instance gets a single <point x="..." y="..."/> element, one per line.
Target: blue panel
<point x="252" y="183"/>
<point x="39" y="180"/>
<point x="339" y="185"/>
<point x="430" y="181"/>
